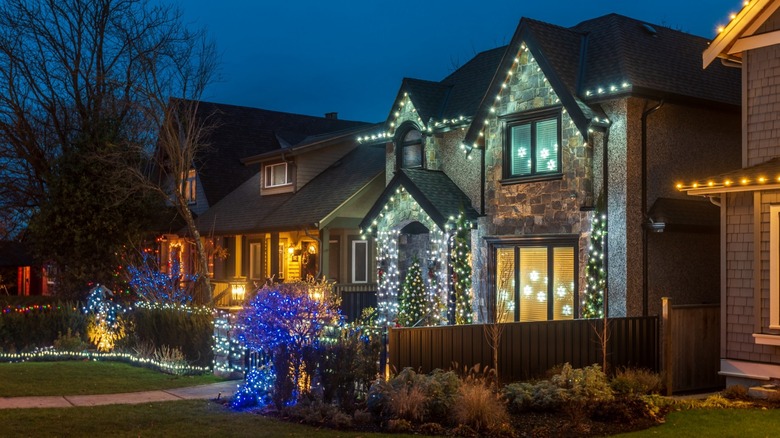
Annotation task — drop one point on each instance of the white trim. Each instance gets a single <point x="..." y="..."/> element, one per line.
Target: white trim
<point x="736" y="188"/>
<point x="774" y="266"/>
<point x="764" y="339"/>
<point x="749" y="370"/>
<point x="267" y="172"/>
<point x="756" y="42"/>
<point x="365" y="273"/>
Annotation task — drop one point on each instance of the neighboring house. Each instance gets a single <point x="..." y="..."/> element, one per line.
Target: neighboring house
<point x="524" y="139"/>
<point x="221" y="176"/>
<point x="749" y="199"/>
<point x="21" y="275"/>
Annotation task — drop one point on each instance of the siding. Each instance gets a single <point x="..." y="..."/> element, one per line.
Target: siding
<point x="763" y="99"/>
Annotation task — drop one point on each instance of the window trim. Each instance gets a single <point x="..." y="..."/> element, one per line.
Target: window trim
<point x="530" y="117"/>
<point x="774" y="266"/>
<point x="400" y="144"/>
<point x="353" y="260"/>
<point x="548" y="241"/>
<point x="267" y="171"/>
<point x="190" y="187"/>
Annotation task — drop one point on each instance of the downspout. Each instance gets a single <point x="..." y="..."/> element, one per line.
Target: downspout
<point x="605" y="188"/>
<point x="482" y="180"/>
<point x="290" y="164"/>
<point x="645" y="289"/>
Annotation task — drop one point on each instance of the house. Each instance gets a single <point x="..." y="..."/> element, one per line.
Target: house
<point x="524" y="140"/>
<point x="20" y="274"/>
<point x="749" y="199"/>
<point x="250" y="191"/>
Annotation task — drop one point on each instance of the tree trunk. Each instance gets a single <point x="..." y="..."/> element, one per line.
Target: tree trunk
<point x="202" y="292"/>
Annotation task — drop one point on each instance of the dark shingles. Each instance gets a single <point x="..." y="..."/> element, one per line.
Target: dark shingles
<point x="244" y="210"/>
<point x="241" y="132"/>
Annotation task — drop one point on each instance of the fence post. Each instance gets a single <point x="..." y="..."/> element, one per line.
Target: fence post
<point x="668" y="360"/>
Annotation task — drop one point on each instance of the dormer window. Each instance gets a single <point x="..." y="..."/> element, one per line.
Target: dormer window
<point x="410" y="150"/>
<point x="190" y="187"/>
<point x="277" y="175"/>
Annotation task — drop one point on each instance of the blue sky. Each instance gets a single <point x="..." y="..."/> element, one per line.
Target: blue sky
<point x="313" y="57"/>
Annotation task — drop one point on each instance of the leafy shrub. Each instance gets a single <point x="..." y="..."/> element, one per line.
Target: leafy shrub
<point x="318" y="413"/>
<point x="24" y="330"/>
<point x="636" y="381"/>
<point x="479" y="407"/>
<point x="415" y="396"/>
<point x="172" y="357"/>
<point x="543" y="395"/>
<point x="70" y="342"/>
<point x="173" y="327"/>
<point x="347" y="367"/>
<point x="399" y="426"/>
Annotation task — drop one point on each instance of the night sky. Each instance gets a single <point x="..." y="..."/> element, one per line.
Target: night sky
<point x="313" y="57"/>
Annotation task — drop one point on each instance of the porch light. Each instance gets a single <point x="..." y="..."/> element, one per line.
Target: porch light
<point x="238" y="289"/>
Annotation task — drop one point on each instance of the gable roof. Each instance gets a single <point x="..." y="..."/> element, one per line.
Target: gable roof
<point x="433" y="190"/>
<point x="245" y="210"/>
<point x="763" y="176"/>
<point x="609" y="57"/>
<point x="740" y="33"/>
<point x="242" y="132"/>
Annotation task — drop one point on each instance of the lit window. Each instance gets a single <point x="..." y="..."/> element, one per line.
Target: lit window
<point x="534" y="282"/>
<point x="411" y="150"/>
<point x="533" y="147"/>
<point x="190" y="188"/>
<point x="360" y="261"/>
<point x="277" y="175"/>
<point x="774" y="262"/>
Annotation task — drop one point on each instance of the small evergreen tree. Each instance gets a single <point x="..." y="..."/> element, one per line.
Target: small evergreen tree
<point x="413" y="303"/>
<point x="460" y="259"/>
<point x="593" y="302"/>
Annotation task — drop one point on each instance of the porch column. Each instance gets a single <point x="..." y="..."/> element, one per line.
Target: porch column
<point x="273" y="251"/>
<point x="324" y="252"/>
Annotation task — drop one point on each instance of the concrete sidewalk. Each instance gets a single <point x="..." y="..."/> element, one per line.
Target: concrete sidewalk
<point x="204" y="392"/>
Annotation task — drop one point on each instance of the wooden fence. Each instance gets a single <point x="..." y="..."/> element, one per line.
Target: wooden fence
<point x="527" y="349"/>
<point x="355" y="297"/>
<point x="691" y="347"/>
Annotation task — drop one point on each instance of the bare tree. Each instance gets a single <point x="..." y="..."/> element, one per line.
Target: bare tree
<point x="91" y="80"/>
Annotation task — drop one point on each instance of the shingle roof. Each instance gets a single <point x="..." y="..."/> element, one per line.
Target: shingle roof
<point x="433" y="190"/>
<point x="14" y="254"/>
<point x="241" y="132"/>
<point x="762" y="176"/>
<point x="244" y="210"/>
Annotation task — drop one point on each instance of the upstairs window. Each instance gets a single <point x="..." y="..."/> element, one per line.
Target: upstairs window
<point x="411" y="150"/>
<point x="190" y="188"/>
<point x="277" y="175"/>
<point x="533" y="146"/>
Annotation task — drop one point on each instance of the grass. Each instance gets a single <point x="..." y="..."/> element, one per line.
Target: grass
<point x="742" y="423"/>
<point x="86" y="377"/>
<point x="194" y="418"/>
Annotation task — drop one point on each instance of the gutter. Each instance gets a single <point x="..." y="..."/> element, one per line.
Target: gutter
<point x="645" y="289"/>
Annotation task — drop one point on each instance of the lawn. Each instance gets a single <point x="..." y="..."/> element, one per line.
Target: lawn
<point x="193" y="418"/>
<point x="742" y="423"/>
<point x="87" y="377"/>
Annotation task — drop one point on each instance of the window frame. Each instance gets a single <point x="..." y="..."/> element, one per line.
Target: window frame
<point x="531" y="118"/>
<point x="268" y="172"/>
<point x="353" y="260"/>
<point x="550" y="243"/>
<point x="774" y="267"/>
<point x="401" y="145"/>
<point x="190" y="187"/>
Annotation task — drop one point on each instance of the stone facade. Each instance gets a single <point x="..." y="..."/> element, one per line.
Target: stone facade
<point x="535" y="208"/>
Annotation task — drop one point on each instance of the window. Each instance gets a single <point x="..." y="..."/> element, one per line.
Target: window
<point x="410" y="152"/>
<point x="774" y="266"/>
<point x="533" y="146"/>
<point x="360" y="261"/>
<point x="535" y="281"/>
<point x="190" y="188"/>
<point x="256" y="261"/>
<point x="277" y="175"/>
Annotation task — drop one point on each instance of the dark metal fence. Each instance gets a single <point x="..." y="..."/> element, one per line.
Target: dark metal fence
<point x="355" y="297"/>
<point x="527" y="349"/>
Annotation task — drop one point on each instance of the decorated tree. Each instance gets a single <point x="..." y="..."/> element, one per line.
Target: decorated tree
<point x="593" y="302"/>
<point x="460" y="259"/>
<point x="413" y="302"/>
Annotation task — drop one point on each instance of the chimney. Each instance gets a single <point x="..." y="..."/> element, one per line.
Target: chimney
<point x="333" y="116"/>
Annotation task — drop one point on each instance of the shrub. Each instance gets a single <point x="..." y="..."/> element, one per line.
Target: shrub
<point x="176" y="327"/>
<point x="407" y="402"/>
<point x="24" y="328"/>
<point x="318" y="413"/>
<point x="636" y="381"/>
<point x="415" y="396"/>
<point x="479" y="408"/>
<point x="735" y="392"/>
<point x="347" y="367"/>
<point x="583" y="389"/>
<point x="70" y="342"/>
<point x="399" y="426"/>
